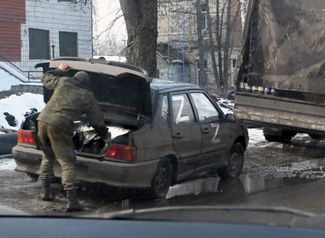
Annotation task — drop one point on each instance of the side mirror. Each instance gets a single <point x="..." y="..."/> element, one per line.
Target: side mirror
<point x="230" y="117"/>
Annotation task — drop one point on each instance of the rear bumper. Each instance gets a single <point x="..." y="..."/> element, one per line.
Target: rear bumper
<point x="135" y="175"/>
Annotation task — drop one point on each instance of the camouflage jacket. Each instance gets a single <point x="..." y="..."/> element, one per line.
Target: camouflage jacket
<point x="70" y="100"/>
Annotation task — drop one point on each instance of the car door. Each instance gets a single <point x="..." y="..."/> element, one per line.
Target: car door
<point x="186" y="132"/>
<point x="213" y="130"/>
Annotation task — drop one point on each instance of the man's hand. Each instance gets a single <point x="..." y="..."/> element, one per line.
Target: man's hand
<point x="108" y="138"/>
<point x="107" y="141"/>
<point x="64" y="67"/>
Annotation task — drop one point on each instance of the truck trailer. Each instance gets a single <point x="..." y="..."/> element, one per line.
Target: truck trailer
<point x="281" y="78"/>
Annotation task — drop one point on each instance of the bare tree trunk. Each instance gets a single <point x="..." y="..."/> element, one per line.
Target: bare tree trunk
<point x="212" y="48"/>
<point x="219" y="23"/>
<point x="199" y="23"/>
<point x="226" y="58"/>
<point x="236" y="17"/>
<point x="141" y="25"/>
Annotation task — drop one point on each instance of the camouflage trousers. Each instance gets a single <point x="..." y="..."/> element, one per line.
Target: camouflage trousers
<point x="57" y="145"/>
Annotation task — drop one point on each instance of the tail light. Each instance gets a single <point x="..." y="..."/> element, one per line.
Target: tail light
<point x="123" y="152"/>
<point x="25" y="137"/>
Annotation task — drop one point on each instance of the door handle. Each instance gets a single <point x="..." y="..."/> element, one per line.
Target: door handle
<point x="178" y="135"/>
<point x="205" y="130"/>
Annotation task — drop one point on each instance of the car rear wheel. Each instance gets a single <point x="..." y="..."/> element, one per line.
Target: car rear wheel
<point x="162" y="179"/>
<point x="235" y="163"/>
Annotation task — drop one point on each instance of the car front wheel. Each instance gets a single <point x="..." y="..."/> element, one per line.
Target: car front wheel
<point x="235" y="163"/>
<point x="162" y="179"/>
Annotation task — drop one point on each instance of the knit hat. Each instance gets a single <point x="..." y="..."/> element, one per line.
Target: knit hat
<point x="83" y="78"/>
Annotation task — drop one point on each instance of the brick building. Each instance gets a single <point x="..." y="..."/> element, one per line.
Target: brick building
<point x="33" y="31"/>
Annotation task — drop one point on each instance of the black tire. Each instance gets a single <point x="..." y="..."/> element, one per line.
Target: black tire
<point x="235" y="163"/>
<point x="272" y="138"/>
<point x="285" y="137"/>
<point x="162" y="179"/>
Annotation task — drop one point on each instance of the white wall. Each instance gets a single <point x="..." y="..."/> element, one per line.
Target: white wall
<point x="56" y="16"/>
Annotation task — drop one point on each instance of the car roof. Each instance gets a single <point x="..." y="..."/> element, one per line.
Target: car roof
<point x="161" y="85"/>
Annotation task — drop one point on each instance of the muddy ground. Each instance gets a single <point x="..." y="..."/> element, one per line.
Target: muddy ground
<point x="269" y="166"/>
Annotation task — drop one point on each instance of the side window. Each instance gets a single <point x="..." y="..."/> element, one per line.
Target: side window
<point x="206" y="110"/>
<point x="182" y="110"/>
<point x="164" y="108"/>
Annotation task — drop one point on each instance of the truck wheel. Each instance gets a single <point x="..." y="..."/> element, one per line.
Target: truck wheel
<point x="272" y="138"/>
<point x="284" y="137"/>
<point x="235" y="163"/>
<point x="162" y="179"/>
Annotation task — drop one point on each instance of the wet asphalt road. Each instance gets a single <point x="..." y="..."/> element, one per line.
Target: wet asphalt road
<point x="287" y="175"/>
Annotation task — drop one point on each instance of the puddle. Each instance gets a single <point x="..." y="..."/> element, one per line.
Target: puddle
<point x="212" y="191"/>
<point x="258" y="179"/>
<point x="310" y="169"/>
<point x="235" y="187"/>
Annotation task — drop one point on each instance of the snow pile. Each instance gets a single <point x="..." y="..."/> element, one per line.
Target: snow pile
<point x="256" y="136"/>
<point x="18" y="106"/>
<point x="7" y="164"/>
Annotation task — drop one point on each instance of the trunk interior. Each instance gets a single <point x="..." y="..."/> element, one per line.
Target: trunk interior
<point x="86" y="141"/>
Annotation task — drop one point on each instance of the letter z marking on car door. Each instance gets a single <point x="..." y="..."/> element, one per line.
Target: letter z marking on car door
<point x="214" y="138"/>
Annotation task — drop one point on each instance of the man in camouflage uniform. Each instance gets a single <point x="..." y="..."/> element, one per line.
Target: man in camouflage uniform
<point x="70" y="100"/>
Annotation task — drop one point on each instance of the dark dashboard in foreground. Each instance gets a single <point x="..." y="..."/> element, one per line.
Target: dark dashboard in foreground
<point x="71" y="227"/>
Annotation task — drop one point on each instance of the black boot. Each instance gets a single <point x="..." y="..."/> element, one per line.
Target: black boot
<point x="73" y="204"/>
<point x="46" y="190"/>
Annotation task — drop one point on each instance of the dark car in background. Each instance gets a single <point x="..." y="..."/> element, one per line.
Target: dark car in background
<point x="163" y="132"/>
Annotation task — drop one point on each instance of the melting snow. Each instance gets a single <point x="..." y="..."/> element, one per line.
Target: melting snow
<point x="227" y="106"/>
<point x="7" y="164"/>
<point x="255" y="136"/>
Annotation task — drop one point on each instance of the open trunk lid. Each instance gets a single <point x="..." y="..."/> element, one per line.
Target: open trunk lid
<point x="122" y="91"/>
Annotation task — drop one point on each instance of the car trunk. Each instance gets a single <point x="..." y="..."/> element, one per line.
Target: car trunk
<point x="124" y="98"/>
<point x="86" y="141"/>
